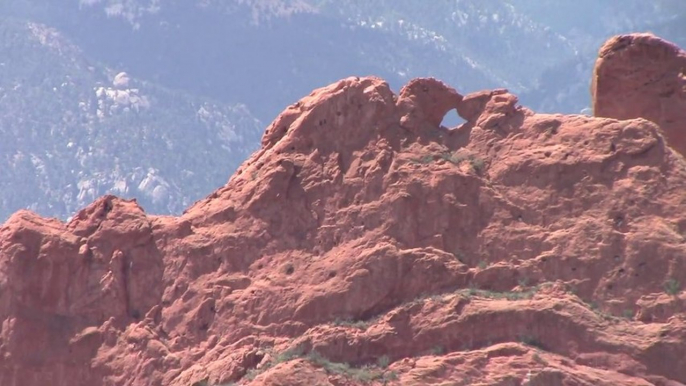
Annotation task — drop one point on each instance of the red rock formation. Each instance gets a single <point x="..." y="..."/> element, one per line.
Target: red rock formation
<point x="364" y="243"/>
<point x="643" y="76"/>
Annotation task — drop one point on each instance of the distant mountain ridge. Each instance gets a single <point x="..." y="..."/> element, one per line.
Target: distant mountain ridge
<point x="69" y="135"/>
<point x="208" y="75"/>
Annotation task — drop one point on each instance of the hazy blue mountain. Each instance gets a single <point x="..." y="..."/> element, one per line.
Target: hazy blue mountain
<point x="241" y="52"/>
<point x="587" y="24"/>
<point x="69" y="135"/>
<point x="206" y="76"/>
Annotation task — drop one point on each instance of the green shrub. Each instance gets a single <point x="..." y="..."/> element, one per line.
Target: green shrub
<point x="383" y="361"/>
<point x="672" y="286"/>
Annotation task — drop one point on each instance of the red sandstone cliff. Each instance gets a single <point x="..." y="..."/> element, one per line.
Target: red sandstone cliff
<point x="643" y="76"/>
<point x="365" y="244"/>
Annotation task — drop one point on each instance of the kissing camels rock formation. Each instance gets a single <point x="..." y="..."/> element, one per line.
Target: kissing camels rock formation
<point x="365" y="244"/>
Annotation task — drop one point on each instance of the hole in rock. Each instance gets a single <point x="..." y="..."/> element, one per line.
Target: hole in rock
<point x="452" y="119"/>
<point x="107" y="207"/>
<point x="619" y="219"/>
<point x="289" y="269"/>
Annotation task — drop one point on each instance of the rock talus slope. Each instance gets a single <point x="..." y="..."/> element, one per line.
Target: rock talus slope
<point x="366" y="244"/>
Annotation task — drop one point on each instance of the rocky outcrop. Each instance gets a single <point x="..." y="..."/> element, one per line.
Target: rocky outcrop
<point x="365" y="243"/>
<point x="643" y="76"/>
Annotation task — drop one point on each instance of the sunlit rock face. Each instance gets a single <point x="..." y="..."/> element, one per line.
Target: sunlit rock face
<point x="643" y="76"/>
<point x="366" y="243"/>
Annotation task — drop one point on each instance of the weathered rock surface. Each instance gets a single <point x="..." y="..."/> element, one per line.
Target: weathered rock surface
<point x="364" y="243"/>
<point x="641" y="75"/>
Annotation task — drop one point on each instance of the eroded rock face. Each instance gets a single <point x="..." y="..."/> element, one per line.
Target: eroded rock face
<point x="424" y="102"/>
<point x="518" y="248"/>
<point x="641" y="75"/>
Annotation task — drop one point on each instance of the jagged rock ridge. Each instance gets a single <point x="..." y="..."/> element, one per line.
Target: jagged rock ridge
<point x="518" y="248"/>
